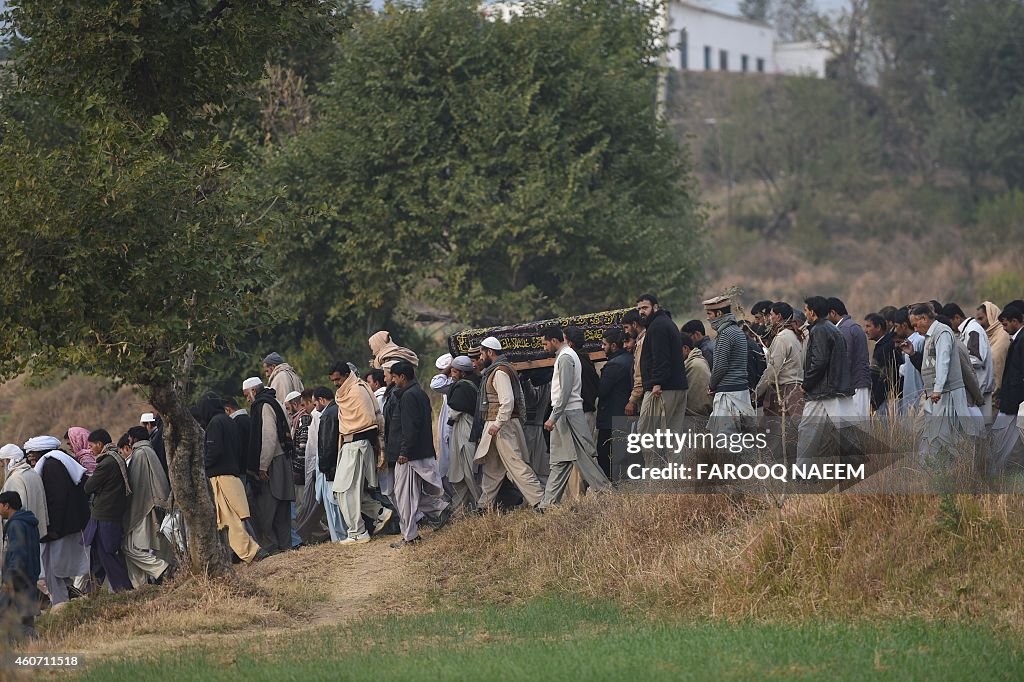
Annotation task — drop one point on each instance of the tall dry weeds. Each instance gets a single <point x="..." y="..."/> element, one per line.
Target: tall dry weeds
<point x="715" y="556"/>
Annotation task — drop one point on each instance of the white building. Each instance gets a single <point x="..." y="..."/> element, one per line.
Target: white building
<point x="801" y="59"/>
<point x="702" y="38"/>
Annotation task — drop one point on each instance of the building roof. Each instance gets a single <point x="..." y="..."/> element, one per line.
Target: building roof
<point x="719" y="13"/>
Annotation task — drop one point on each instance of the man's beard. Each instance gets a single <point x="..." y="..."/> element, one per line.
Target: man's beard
<point x="486" y="362"/>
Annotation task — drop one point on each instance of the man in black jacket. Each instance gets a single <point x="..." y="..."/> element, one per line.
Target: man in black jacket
<point x="661" y="369"/>
<point x="885" y="377"/>
<point x="410" y="445"/>
<point x="1005" y="430"/>
<point x="613" y="393"/>
<point x="575" y="337"/>
<point x="826" y="382"/>
<point x="221" y="457"/>
<point x="110" y="490"/>
<point x="243" y="423"/>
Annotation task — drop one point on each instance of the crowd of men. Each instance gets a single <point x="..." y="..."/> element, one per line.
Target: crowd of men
<point x="367" y="458"/>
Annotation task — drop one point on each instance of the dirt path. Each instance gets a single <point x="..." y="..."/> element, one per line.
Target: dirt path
<point x="312" y="587"/>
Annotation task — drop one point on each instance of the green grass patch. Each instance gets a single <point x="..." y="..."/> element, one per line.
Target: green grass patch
<point x="555" y="639"/>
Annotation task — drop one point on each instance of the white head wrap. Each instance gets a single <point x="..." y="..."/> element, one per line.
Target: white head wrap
<point x="443" y="362"/>
<point x="42" y="444"/>
<point x="492" y="343"/>
<point x="12" y="453"/>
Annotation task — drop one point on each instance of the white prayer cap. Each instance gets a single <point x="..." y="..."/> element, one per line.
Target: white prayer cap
<point x="294" y="395"/>
<point x="252" y="382"/>
<point x="147" y="418"/>
<point x="42" y="444"/>
<point x="462" y="363"/>
<point x="492" y="343"/>
<point x="389" y="364"/>
<point x="443" y="362"/>
<point x="11" y="452"/>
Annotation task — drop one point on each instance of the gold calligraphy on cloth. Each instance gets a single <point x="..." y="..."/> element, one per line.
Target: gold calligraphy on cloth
<point x="523" y="341"/>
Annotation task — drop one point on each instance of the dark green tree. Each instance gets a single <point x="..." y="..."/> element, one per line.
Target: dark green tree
<point x="497" y="170"/>
<point x="132" y="245"/>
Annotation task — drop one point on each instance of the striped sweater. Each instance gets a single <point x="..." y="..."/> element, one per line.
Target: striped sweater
<point x="729" y="369"/>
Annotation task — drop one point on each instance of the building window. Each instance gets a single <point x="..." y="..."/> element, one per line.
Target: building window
<point x="745" y="63"/>
<point x="723" y="60"/>
<point x="760" y="66"/>
<point x="684" y="50"/>
<point x="707" y="58"/>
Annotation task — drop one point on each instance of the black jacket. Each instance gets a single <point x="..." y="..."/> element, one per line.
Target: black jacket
<point x="222" y="446"/>
<point x="267" y="396"/>
<point x="614" y="388"/>
<point x="826" y="371"/>
<point x="463" y="395"/>
<point x="106" y="485"/>
<point x="1011" y="391"/>
<point x="67" y="505"/>
<point x="590" y="382"/>
<point x="885" y="376"/>
<point x="243" y="423"/>
<point x="409" y="429"/>
<point x="327" y="441"/>
<point x="156" y="440"/>
<point x="661" y="362"/>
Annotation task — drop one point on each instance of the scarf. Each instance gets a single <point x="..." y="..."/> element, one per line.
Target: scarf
<point x="998" y="340"/>
<point x="110" y="450"/>
<point x="75" y="470"/>
<point x="79" y="438"/>
<point x="720" y="323"/>
<point x="384" y="349"/>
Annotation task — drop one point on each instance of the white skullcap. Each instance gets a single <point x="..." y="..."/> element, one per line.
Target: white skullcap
<point x="42" y="444"/>
<point x="294" y="395"/>
<point x="443" y="362"/>
<point x="11" y="452"/>
<point x="147" y="418"/>
<point x="492" y="343"/>
<point x="390" y="363"/>
<point x="252" y="382"/>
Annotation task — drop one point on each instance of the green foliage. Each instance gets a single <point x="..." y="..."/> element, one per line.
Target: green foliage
<point x="500" y="170"/>
<point x="1001" y="287"/>
<point x="1001" y="218"/>
<point x="130" y="239"/>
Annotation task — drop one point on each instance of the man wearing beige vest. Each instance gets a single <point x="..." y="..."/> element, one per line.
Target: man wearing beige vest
<point x="503" y="443"/>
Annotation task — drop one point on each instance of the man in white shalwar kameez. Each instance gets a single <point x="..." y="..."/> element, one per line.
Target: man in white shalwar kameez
<point x="441" y="383"/>
<point x="572" y="441"/>
<point x="462" y="401"/>
<point x="946" y="413"/>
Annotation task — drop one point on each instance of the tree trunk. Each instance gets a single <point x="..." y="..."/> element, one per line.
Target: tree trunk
<point x="183" y="439"/>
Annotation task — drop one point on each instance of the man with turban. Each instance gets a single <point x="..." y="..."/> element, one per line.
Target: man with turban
<point x="64" y="557"/>
<point x="22" y="479"/>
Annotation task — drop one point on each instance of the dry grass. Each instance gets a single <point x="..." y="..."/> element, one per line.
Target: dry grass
<point x="320" y="585"/>
<point x="28" y="410"/>
<point x="714" y="556"/>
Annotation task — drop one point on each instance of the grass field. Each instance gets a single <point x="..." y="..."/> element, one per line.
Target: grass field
<point x="556" y="638"/>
